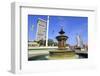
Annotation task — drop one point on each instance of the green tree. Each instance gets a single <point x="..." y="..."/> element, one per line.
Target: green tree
<point x="55" y="44"/>
<point x="41" y="42"/>
<point x="50" y="42"/>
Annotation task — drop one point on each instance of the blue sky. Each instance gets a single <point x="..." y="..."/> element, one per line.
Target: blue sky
<point x="72" y="25"/>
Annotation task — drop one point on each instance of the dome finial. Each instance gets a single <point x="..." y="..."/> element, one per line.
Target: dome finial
<point x="61" y="31"/>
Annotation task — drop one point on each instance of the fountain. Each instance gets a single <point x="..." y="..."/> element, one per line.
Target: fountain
<point x="63" y="51"/>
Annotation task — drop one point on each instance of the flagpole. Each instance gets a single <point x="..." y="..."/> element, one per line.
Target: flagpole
<point x="47" y="31"/>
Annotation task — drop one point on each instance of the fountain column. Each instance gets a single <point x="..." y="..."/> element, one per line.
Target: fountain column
<point x="61" y="40"/>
